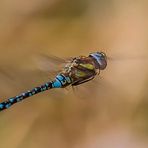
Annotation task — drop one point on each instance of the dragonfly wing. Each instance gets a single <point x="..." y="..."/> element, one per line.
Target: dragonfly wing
<point x="128" y="58"/>
<point x="98" y="88"/>
<point x="14" y="79"/>
<point x="50" y="63"/>
<point x="86" y="90"/>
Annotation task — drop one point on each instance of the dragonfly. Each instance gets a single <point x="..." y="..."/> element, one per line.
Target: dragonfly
<point x="77" y="71"/>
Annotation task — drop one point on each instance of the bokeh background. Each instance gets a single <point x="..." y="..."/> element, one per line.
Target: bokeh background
<point x="113" y="111"/>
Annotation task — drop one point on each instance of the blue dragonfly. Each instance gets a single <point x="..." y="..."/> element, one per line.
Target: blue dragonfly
<point x="77" y="71"/>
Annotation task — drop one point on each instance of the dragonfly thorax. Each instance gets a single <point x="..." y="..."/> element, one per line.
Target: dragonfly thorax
<point x="80" y="69"/>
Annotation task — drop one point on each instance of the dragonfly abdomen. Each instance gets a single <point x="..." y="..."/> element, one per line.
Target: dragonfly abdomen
<point x="59" y="82"/>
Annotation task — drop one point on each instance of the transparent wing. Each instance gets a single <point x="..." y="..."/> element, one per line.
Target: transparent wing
<point x="90" y="89"/>
<point x="50" y="63"/>
<point x="15" y="79"/>
<point x="128" y="58"/>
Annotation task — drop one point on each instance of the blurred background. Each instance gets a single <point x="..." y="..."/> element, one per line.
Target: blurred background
<point x="113" y="111"/>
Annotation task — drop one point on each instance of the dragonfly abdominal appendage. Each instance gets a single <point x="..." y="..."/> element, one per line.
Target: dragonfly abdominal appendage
<point x="79" y="70"/>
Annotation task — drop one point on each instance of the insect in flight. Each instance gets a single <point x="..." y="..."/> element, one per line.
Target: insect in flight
<point x="78" y="70"/>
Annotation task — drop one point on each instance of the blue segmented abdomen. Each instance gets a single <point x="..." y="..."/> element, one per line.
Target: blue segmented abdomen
<point x="61" y="81"/>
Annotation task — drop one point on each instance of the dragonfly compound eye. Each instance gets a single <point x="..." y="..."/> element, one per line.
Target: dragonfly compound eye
<point x="100" y="59"/>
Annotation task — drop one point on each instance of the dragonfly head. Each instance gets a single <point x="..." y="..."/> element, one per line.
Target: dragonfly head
<point x="100" y="59"/>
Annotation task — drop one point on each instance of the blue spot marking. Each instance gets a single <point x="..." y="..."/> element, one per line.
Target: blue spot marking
<point x="35" y="89"/>
<point x="44" y="88"/>
<point x="47" y="84"/>
<point x="21" y="97"/>
<point x="1" y="106"/>
<point x="33" y="92"/>
<point x="60" y="78"/>
<point x="18" y="99"/>
<point x="29" y="93"/>
<point x="11" y="100"/>
<point x="8" y="105"/>
<point x="57" y="84"/>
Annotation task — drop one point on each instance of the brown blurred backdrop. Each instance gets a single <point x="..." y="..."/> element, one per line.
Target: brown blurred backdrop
<point x="115" y="116"/>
